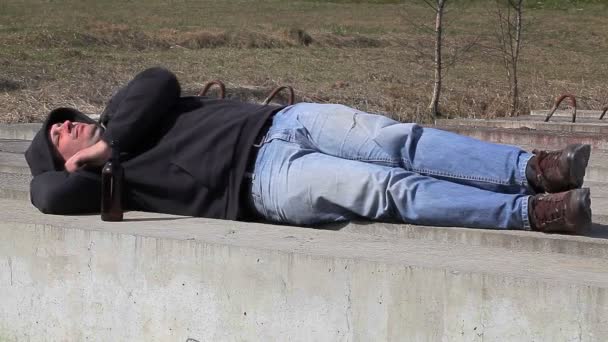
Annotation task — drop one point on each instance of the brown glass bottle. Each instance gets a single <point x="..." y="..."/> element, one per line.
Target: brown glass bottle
<point x="112" y="176"/>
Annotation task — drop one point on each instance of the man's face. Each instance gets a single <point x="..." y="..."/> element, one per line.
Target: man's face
<point x="70" y="137"/>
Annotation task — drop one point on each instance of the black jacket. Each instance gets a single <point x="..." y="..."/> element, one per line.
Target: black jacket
<point x="181" y="155"/>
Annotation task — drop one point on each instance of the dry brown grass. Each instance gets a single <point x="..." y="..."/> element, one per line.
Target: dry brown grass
<point x="372" y="56"/>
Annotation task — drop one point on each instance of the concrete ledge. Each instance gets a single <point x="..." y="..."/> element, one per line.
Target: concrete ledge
<point x="25" y="131"/>
<point x="522" y="136"/>
<point x="13" y="163"/>
<point x="593" y="244"/>
<point x="14" y="186"/>
<point x="601" y="127"/>
<point x="585" y="113"/>
<point x="160" y="277"/>
<point x="14" y="145"/>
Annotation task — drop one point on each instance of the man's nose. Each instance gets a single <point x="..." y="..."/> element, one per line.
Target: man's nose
<point x="66" y="125"/>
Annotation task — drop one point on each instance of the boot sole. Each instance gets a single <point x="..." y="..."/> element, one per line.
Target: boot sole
<point x="578" y="158"/>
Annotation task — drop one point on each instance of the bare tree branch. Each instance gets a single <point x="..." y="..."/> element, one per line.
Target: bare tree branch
<point x="434" y="106"/>
<point x="428" y="2"/>
<point x="509" y="40"/>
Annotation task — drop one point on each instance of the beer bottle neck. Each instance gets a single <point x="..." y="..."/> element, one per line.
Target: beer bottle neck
<point x="115" y="152"/>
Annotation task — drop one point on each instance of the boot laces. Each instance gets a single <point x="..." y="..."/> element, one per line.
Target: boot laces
<point x="549" y="209"/>
<point x="544" y="162"/>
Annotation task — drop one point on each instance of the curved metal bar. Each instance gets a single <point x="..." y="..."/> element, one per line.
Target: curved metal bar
<point x="558" y="101"/>
<point x="604" y="110"/>
<point x="211" y="84"/>
<point x="277" y="90"/>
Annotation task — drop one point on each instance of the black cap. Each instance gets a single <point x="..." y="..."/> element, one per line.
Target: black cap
<point x="41" y="155"/>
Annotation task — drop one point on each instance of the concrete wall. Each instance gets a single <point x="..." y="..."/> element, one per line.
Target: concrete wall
<point x="75" y="279"/>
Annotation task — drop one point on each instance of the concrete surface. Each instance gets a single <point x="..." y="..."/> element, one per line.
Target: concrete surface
<point x="25" y="131"/>
<point x="14" y="145"/>
<point x="593" y="244"/>
<point x="558" y="118"/>
<point x="588" y="114"/>
<point x="528" y="137"/>
<point x="162" y="277"/>
<point x="601" y="127"/>
<point x="12" y="160"/>
<point x="15" y="186"/>
<point x="210" y="280"/>
<point x="13" y="163"/>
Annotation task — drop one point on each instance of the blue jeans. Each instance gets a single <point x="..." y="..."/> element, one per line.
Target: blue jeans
<point x="324" y="163"/>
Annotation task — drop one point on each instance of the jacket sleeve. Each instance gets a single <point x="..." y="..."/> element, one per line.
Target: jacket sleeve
<point x="138" y="108"/>
<point x="61" y="193"/>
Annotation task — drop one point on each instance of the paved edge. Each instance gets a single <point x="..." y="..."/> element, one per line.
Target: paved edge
<point x="379" y="236"/>
<point x="172" y="278"/>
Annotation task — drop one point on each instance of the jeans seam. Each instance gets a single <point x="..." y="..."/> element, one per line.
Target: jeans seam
<point x="524" y="213"/>
<point x="391" y="160"/>
<point x="256" y="186"/>
<point x="522" y="170"/>
<point x="459" y="176"/>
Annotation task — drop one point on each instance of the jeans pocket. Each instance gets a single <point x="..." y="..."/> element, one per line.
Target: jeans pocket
<point x="255" y="192"/>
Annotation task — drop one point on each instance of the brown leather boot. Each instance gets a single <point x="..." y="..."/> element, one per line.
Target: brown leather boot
<point x="567" y="212"/>
<point x="557" y="171"/>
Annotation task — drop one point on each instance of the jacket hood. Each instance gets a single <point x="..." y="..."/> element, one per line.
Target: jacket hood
<point x="41" y="155"/>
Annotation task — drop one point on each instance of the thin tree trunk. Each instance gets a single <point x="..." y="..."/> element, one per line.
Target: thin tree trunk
<point x="434" y="106"/>
<point x="517" y="5"/>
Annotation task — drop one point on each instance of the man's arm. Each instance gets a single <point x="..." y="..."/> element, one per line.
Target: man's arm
<point x="132" y="113"/>
<point x="141" y="106"/>
<point x="95" y="155"/>
<point x="61" y="193"/>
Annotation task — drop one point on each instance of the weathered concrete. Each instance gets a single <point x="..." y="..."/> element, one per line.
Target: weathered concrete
<point x="11" y="157"/>
<point x="601" y="127"/>
<point x="14" y="171"/>
<point x="25" y="131"/>
<point x="15" y="186"/>
<point x="540" y="139"/>
<point x="587" y="114"/>
<point x="536" y="118"/>
<point x="13" y="163"/>
<point x="562" y="119"/>
<point x="162" y="277"/>
<point x="593" y="244"/>
<point x="159" y="277"/>
<point x="14" y="145"/>
<point x="476" y="237"/>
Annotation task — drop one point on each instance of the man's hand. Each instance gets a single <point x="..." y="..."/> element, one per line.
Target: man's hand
<point x="94" y="155"/>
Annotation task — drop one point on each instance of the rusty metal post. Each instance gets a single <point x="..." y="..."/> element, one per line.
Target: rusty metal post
<point x="558" y="101"/>
<point x="604" y="110"/>
<point x="279" y="89"/>
<point x="212" y="83"/>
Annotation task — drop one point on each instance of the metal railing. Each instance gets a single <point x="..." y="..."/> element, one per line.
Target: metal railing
<point x="558" y="101"/>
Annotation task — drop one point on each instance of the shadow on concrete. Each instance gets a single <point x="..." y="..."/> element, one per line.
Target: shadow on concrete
<point x="152" y="219"/>
<point x="339" y="225"/>
<point x="598" y="230"/>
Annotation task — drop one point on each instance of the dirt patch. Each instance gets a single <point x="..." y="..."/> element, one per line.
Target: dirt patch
<point x="8" y="85"/>
<point x="267" y="40"/>
<point x="299" y="36"/>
